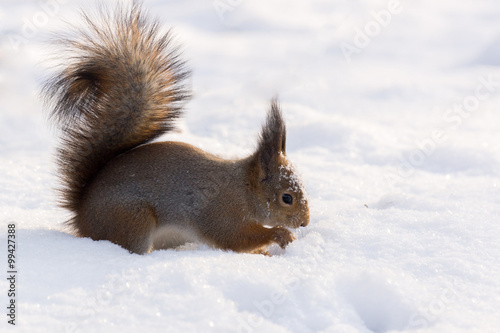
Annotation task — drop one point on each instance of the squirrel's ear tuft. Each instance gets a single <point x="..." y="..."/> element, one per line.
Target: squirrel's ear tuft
<point x="275" y="119"/>
<point x="272" y="141"/>
<point x="273" y="136"/>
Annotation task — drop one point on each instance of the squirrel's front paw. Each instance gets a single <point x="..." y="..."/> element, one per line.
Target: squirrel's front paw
<point x="283" y="236"/>
<point x="261" y="250"/>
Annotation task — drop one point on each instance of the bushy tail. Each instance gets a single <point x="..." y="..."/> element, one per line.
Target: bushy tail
<point x="121" y="86"/>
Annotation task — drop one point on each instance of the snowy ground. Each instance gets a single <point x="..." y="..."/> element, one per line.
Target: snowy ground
<point x="396" y="133"/>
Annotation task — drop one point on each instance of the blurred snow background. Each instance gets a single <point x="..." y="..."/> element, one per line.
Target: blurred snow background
<point x="393" y="119"/>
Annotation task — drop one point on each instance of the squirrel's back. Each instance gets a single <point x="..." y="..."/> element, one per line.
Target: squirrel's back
<point x="123" y="86"/>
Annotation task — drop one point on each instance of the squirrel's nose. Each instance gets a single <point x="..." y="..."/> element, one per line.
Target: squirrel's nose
<point x="305" y="219"/>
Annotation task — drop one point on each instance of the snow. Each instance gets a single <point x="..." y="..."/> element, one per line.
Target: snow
<point x="397" y="144"/>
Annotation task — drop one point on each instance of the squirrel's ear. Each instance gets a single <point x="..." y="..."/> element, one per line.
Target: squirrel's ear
<point x="273" y="135"/>
<point x="272" y="145"/>
<point x="272" y="142"/>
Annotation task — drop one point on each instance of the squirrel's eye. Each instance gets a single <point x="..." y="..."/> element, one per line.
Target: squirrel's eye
<point x="287" y="198"/>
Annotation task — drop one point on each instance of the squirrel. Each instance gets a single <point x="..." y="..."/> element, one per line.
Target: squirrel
<point x="122" y="86"/>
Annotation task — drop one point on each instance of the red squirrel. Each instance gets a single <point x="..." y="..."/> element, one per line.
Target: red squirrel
<point x="123" y="85"/>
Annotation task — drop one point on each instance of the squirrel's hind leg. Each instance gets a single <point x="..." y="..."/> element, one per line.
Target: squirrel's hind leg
<point x="137" y="223"/>
<point x="128" y="225"/>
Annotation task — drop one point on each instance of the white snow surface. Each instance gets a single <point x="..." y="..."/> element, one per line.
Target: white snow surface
<point x="396" y="135"/>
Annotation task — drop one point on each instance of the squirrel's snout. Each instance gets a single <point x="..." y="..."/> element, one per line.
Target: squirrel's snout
<point x="305" y="219"/>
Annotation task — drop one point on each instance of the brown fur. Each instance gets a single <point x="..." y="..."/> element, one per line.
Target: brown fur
<point x="124" y="88"/>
